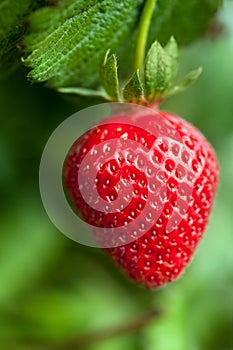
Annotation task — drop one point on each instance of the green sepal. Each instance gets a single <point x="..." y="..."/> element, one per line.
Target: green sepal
<point x="189" y="79"/>
<point x="84" y="92"/>
<point x="161" y="66"/>
<point x="157" y="72"/>
<point x="133" y="90"/>
<point x="173" y="53"/>
<point x="109" y="76"/>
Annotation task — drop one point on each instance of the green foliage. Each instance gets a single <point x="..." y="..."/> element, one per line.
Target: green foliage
<point x="12" y="12"/>
<point x="185" y="20"/>
<point x="12" y="16"/>
<point x="67" y="43"/>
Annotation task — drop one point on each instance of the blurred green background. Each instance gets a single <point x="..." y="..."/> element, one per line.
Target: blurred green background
<point x="53" y="289"/>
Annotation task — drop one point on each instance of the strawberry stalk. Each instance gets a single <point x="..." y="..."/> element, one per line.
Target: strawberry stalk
<point x="144" y="26"/>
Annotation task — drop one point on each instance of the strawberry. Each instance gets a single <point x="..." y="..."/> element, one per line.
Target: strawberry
<point x="145" y="180"/>
<point x="158" y="256"/>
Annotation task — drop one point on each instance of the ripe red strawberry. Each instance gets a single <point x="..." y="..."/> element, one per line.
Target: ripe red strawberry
<point x="181" y="176"/>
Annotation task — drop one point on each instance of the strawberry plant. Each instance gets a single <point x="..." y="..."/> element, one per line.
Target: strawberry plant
<point x="64" y="46"/>
<point x="173" y="175"/>
<point x="77" y="53"/>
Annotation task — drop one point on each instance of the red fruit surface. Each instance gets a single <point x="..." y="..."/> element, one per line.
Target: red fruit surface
<point x="160" y="255"/>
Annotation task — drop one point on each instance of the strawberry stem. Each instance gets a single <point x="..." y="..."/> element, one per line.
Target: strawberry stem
<point x="144" y="26"/>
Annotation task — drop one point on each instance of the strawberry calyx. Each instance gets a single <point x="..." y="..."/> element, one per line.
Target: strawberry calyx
<point x="149" y="85"/>
<point x="153" y="82"/>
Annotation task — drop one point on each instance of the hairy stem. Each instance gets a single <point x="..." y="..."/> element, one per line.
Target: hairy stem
<point x="144" y="26"/>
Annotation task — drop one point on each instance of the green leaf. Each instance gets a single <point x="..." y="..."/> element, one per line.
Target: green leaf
<point x="133" y="90"/>
<point x="157" y="71"/>
<point x="185" y="20"/>
<point x="109" y="76"/>
<point x="68" y="42"/>
<point x="189" y="79"/>
<point x="12" y="15"/>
